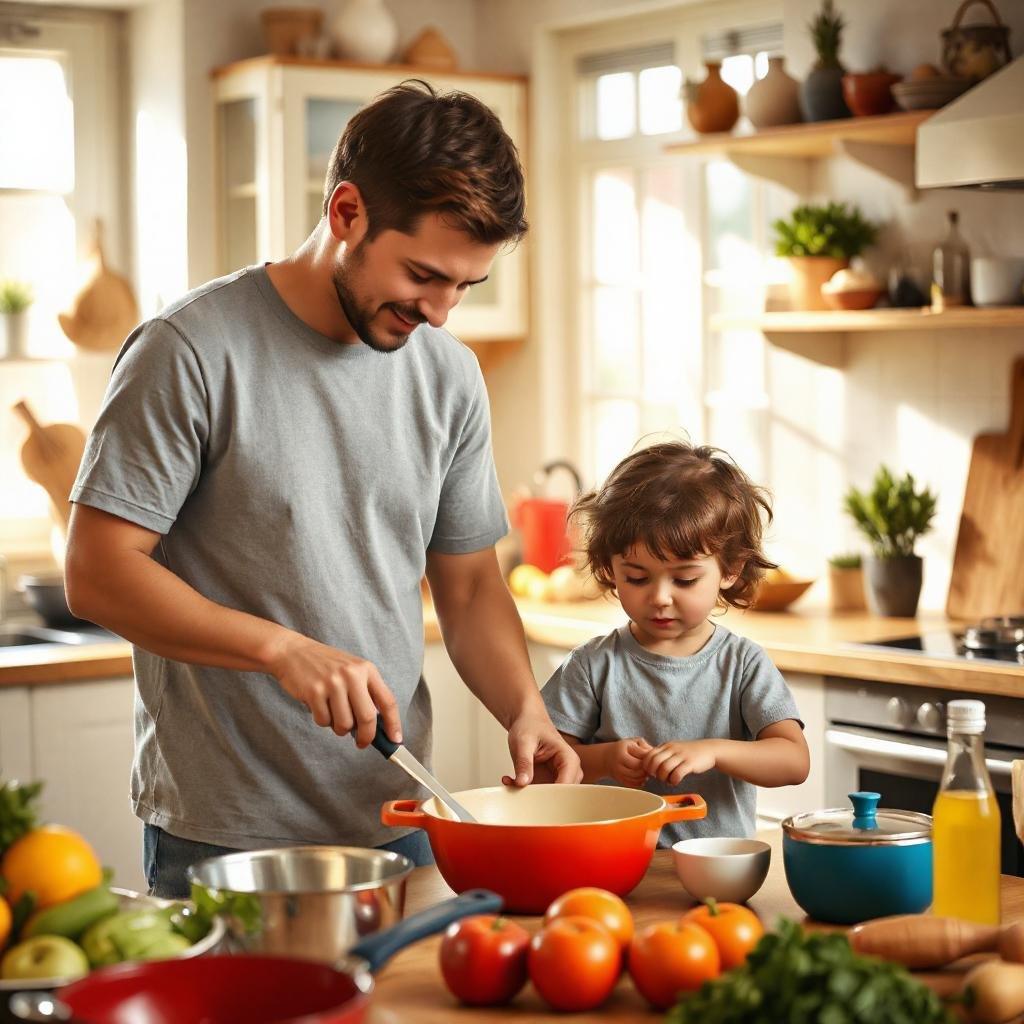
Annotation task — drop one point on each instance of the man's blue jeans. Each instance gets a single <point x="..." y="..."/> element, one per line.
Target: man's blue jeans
<point x="166" y="858"/>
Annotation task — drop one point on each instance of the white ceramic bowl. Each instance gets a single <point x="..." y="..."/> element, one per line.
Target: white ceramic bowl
<point x="730" y="870"/>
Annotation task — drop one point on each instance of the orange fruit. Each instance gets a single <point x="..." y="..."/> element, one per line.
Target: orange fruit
<point x="53" y="862"/>
<point x="5" y="921"/>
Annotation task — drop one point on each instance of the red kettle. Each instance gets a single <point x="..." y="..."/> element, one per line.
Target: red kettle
<point x="541" y="522"/>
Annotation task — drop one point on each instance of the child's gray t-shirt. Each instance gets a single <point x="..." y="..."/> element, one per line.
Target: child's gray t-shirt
<point x="612" y="688"/>
<point x="300" y="480"/>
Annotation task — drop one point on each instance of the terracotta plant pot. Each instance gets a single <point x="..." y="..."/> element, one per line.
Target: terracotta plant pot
<point x="774" y="99"/>
<point x="711" y="105"/>
<point x="846" y="589"/>
<point x="869" y="94"/>
<point x="807" y="275"/>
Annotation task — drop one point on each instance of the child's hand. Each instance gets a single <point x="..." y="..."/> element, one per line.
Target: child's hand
<point x="624" y="761"/>
<point x="672" y="762"/>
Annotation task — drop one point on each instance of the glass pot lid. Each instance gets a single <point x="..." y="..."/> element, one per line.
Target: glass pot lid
<point x="864" y="824"/>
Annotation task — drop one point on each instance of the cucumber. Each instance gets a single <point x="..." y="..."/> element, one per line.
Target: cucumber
<point x="73" y="916"/>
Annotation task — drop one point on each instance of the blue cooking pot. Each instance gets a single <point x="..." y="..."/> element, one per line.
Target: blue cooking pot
<point x="847" y="866"/>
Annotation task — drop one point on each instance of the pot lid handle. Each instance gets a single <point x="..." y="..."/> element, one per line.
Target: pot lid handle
<point x="865" y="805"/>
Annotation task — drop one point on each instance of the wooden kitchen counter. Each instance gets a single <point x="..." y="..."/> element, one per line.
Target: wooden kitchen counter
<point x="813" y="641"/>
<point x="410" y="987"/>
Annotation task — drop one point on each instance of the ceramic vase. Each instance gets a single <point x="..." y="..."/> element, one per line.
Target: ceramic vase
<point x="711" y="105"/>
<point x="821" y="95"/>
<point x="894" y="585"/>
<point x="846" y="589"/>
<point x="774" y="99"/>
<point x="807" y="275"/>
<point x="15" y="341"/>
<point x="365" y="30"/>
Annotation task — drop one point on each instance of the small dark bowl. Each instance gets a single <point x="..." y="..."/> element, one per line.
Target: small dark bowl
<point x="45" y="594"/>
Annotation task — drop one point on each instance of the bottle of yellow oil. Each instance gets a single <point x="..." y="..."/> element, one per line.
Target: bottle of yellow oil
<point x="965" y="823"/>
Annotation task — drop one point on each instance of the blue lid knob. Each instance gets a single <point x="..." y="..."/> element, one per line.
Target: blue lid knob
<point x="864" y="807"/>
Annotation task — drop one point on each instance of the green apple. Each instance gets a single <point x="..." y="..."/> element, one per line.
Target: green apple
<point x="44" y="956"/>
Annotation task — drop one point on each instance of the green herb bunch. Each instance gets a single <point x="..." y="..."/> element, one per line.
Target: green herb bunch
<point x="15" y="297"/>
<point x="801" y="977"/>
<point x="831" y="230"/>
<point x="893" y="514"/>
<point x="826" y="29"/>
<point x="850" y="560"/>
<point x="17" y="810"/>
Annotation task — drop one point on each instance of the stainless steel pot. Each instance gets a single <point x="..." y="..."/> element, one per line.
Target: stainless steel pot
<point x="313" y="902"/>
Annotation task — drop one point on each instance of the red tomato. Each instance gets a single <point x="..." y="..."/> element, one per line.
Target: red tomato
<point x="483" y="959"/>
<point x="599" y="905"/>
<point x="670" y="957"/>
<point x="736" y="929"/>
<point x="574" y="963"/>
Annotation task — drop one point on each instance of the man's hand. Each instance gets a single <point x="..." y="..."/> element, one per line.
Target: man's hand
<point x="540" y="754"/>
<point x="625" y="761"/>
<point x="672" y="762"/>
<point x="343" y="692"/>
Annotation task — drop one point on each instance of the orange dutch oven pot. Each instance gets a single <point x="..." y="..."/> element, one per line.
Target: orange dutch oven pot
<point x="531" y="845"/>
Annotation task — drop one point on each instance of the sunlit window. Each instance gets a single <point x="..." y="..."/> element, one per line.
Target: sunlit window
<point x="616" y="105"/>
<point x="661" y="109"/>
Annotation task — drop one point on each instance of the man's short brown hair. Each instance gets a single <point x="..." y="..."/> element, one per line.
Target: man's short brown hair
<point x="414" y="151"/>
<point x="678" y="501"/>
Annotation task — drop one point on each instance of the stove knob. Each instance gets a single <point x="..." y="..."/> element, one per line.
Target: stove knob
<point x="932" y="716"/>
<point x="897" y="711"/>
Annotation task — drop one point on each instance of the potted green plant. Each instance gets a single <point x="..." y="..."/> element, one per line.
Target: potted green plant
<point x="892" y="515"/>
<point x="846" y="582"/>
<point x="15" y="298"/>
<point x="816" y="242"/>
<point x="821" y="94"/>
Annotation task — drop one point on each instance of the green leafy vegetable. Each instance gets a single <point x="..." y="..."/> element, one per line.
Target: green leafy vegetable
<point x="18" y="810"/>
<point x="802" y="977"/>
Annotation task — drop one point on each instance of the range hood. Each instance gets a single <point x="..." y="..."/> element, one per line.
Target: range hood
<point x="977" y="141"/>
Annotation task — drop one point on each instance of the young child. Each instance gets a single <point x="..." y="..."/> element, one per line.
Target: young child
<point x="671" y="701"/>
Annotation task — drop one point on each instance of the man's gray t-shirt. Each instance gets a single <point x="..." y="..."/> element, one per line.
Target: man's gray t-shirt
<point x="612" y="688"/>
<point x="300" y="480"/>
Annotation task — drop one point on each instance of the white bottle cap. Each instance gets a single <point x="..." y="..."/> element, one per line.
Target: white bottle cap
<point x="965" y="716"/>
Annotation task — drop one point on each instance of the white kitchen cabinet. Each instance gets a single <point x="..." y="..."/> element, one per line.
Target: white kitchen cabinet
<point x="15" y="733"/>
<point x="775" y="804"/>
<point x="82" y="745"/>
<point x="277" y="121"/>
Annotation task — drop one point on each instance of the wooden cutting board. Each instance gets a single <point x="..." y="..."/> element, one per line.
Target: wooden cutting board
<point x="50" y="456"/>
<point x="987" y="577"/>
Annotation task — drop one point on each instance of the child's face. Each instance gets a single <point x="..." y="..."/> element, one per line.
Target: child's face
<point x="667" y="600"/>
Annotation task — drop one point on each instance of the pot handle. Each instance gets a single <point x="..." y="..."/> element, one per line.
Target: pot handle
<point x="687" y="806"/>
<point x="405" y="813"/>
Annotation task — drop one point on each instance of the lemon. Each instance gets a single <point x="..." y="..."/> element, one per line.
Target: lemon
<point x="523" y="577"/>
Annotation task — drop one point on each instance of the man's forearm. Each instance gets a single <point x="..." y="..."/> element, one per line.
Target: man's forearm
<point x="150" y="606"/>
<point x="485" y="640"/>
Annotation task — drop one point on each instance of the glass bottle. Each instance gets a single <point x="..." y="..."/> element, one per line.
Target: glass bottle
<point x="951" y="268"/>
<point x="965" y="823"/>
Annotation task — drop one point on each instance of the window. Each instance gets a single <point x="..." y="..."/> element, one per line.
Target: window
<point x="60" y="162"/>
<point x="665" y="243"/>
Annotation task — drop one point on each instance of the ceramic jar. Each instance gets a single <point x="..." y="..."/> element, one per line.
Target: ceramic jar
<point x="365" y="30"/>
<point x="711" y="105"/>
<point x="774" y="99"/>
<point x="821" y="95"/>
<point x="869" y="93"/>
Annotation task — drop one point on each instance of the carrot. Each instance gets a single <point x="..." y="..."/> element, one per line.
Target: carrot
<point x="916" y="940"/>
<point x="994" y="992"/>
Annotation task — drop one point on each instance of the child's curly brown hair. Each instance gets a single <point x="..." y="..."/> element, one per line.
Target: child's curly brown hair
<point x="678" y="501"/>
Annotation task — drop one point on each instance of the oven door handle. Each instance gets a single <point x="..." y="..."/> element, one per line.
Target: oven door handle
<point x="855" y="743"/>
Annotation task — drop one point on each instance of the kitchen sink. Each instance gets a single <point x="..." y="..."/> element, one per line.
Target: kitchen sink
<point x="20" y="636"/>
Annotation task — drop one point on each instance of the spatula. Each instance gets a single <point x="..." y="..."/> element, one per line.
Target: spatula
<point x="400" y="755"/>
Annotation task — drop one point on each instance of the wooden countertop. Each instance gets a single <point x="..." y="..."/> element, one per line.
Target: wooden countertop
<point x="410" y="987"/>
<point x="813" y="640"/>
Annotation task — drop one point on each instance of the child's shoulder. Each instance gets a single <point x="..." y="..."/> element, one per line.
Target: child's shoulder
<point x="600" y="646"/>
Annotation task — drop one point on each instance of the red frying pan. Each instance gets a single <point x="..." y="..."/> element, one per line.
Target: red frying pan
<point x="245" y="989"/>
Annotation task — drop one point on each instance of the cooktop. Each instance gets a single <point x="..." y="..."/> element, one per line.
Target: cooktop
<point x="959" y="646"/>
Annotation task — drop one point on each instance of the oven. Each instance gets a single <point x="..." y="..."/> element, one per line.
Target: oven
<point x="891" y="739"/>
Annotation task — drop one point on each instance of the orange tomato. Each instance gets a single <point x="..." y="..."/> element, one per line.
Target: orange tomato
<point x="735" y="929"/>
<point x="574" y="963"/>
<point x="671" y="957"/>
<point x="599" y="905"/>
<point x="53" y="862"/>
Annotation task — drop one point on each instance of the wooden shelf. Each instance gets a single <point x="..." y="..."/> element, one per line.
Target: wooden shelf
<point x="818" y="139"/>
<point x="784" y="155"/>
<point x="967" y="318"/>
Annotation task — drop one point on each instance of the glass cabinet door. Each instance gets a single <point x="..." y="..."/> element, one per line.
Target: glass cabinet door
<point x="325" y="121"/>
<point x="236" y="132"/>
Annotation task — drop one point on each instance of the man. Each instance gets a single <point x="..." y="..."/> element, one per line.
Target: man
<point x="280" y="456"/>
